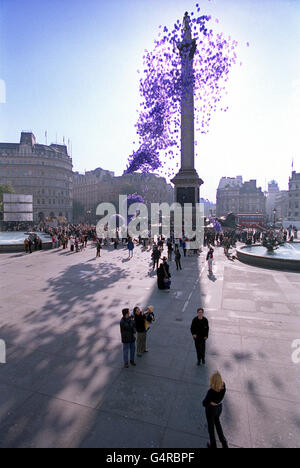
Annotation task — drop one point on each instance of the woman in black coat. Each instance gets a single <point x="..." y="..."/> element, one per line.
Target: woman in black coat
<point x="163" y="274"/>
<point x="213" y="409"/>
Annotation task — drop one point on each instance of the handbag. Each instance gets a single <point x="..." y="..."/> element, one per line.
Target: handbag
<point x="167" y="282"/>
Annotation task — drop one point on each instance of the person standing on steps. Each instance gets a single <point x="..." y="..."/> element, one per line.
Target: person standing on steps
<point x="200" y="331"/>
<point x="213" y="409"/>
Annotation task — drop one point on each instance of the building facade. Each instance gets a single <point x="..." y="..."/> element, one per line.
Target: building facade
<point x="45" y="172"/>
<point x="98" y="186"/>
<point x="90" y="189"/>
<point x="251" y="198"/>
<point x="294" y="197"/>
<point x="282" y="205"/>
<point x="228" y="195"/>
<point x="271" y="197"/>
<point x="238" y="197"/>
<point x="209" y="208"/>
<point x="153" y="188"/>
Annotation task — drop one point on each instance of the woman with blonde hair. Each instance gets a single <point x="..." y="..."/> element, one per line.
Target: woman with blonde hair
<point x="213" y="408"/>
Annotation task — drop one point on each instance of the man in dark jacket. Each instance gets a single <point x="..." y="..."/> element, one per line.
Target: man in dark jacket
<point x="140" y="327"/>
<point x="177" y="258"/>
<point x="156" y="257"/>
<point x="200" y="331"/>
<point x="128" y="335"/>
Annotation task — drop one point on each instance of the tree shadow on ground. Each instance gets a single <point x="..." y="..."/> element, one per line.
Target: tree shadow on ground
<point x="64" y="351"/>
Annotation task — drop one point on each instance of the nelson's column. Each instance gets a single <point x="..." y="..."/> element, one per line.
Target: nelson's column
<point x="187" y="182"/>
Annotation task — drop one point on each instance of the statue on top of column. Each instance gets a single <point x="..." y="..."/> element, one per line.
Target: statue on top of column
<point x="187" y="33"/>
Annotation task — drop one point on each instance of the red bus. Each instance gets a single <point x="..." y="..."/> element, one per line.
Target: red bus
<point x="250" y="220"/>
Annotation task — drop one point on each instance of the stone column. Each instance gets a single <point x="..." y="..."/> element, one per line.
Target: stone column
<point x="187" y="182"/>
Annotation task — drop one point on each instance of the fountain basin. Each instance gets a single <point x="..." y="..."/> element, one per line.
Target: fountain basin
<point x="14" y="241"/>
<point x="286" y="257"/>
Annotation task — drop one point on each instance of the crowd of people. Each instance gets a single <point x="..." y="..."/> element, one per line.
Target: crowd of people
<point x="33" y="242"/>
<point x="72" y="236"/>
<point x="247" y="236"/>
<point x="76" y="238"/>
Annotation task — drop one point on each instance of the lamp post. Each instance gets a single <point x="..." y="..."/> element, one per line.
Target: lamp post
<point x="89" y="216"/>
<point x="274" y="213"/>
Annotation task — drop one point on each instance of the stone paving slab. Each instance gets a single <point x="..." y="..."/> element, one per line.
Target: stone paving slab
<point x="43" y="422"/>
<point x="81" y="383"/>
<point x="141" y="397"/>
<point x="11" y="398"/>
<point x="281" y="382"/>
<point x="274" y="423"/>
<point x="182" y="439"/>
<point x="114" y="431"/>
<point x="232" y="369"/>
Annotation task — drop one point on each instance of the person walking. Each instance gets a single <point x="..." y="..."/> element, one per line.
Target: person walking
<point x="130" y="247"/>
<point x="156" y="254"/>
<point x="200" y="332"/>
<point x="140" y="326"/>
<point x="170" y="250"/>
<point x="213" y="409"/>
<point x="128" y="336"/>
<point x="210" y="259"/>
<point x="160" y="244"/>
<point x="177" y="258"/>
<point x="99" y="246"/>
<point x="29" y="245"/>
<point x="26" y="246"/>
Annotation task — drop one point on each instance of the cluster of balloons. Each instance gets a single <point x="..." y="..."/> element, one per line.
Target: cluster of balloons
<point x="164" y="82"/>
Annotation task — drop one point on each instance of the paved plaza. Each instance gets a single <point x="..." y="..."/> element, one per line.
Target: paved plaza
<point x="64" y="384"/>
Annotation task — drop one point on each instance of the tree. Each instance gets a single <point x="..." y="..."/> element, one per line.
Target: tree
<point x="4" y="189"/>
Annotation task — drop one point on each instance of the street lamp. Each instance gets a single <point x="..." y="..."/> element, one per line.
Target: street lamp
<point x="274" y="213"/>
<point x="89" y="216"/>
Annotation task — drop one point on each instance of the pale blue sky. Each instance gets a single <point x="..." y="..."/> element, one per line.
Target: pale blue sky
<point x="70" y="68"/>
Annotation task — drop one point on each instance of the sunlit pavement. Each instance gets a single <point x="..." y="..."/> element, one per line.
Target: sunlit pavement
<point x="64" y="384"/>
